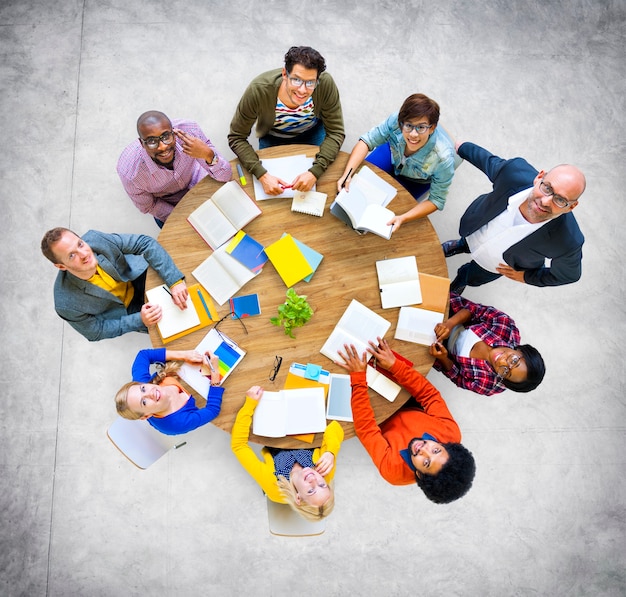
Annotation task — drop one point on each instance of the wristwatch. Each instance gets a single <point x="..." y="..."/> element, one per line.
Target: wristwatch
<point x="214" y="160"/>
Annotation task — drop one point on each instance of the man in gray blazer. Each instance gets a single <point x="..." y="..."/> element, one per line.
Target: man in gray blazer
<point x="100" y="288"/>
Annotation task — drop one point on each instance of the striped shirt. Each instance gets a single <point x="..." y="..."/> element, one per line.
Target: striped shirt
<point x="291" y="122"/>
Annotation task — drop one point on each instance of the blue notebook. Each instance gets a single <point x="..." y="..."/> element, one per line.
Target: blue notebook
<point x="247" y="251"/>
<point x="245" y="306"/>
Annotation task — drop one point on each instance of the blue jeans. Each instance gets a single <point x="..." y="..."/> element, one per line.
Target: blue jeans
<point x="471" y="274"/>
<point x="313" y="136"/>
<point x="381" y="156"/>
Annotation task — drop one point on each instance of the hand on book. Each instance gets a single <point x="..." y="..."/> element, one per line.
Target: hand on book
<point x="352" y="362"/>
<point x="382" y="353"/>
<point x="325" y="463"/>
<point x="180" y="294"/>
<point x="255" y="393"/>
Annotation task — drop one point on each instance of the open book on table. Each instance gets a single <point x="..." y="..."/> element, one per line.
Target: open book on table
<point x="365" y="204"/>
<point x="417" y="325"/>
<point x="286" y="169"/>
<point x="174" y="320"/>
<point x="229" y="354"/>
<point x="290" y="412"/>
<point x="222" y="275"/>
<point x="357" y="326"/>
<point x="398" y="281"/>
<point x="219" y="218"/>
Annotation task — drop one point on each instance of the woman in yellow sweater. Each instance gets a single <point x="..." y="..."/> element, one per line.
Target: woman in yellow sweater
<point x="300" y="478"/>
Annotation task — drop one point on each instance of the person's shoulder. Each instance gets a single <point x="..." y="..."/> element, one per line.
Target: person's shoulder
<point x="567" y="225"/>
<point x="185" y="124"/>
<point x="266" y="78"/>
<point x="131" y="159"/>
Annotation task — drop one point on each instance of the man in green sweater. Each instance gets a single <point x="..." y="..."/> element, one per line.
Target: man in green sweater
<point x="296" y="104"/>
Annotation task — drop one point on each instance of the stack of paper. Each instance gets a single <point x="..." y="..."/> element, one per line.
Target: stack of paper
<point x="398" y="282"/>
<point x="286" y="169"/>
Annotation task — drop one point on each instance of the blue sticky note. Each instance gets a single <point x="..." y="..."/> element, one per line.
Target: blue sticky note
<point x="312" y="372"/>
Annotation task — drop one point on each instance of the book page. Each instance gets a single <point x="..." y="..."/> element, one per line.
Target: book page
<point x="417" y="325"/>
<point x="236" y="205"/>
<point x="375" y="218"/>
<point x="357" y="325"/>
<point x="174" y="320"/>
<point x="382" y="385"/>
<point x="399" y="283"/>
<point x="211" y="224"/>
<point x="306" y="410"/>
<point x="270" y="415"/>
<point x="367" y="175"/>
<point x="286" y="169"/>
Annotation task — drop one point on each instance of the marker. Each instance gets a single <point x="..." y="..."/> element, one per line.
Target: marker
<point x="206" y="308"/>
<point x="343" y="184"/>
<point x="167" y="290"/>
<point x="242" y="178"/>
<point x="286" y="186"/>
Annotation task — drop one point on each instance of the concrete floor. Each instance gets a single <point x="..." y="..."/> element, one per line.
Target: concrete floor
<point x="544" y="80"/>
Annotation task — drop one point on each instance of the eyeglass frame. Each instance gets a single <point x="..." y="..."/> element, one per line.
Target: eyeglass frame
<point x="278" y="361"/>
<point x="310" y="85"/>
<point x="414" y="127"/>
<point x="149" y="141"/>
<point x="233" y="315"/>
<point x="508" y="367"/>
<point x="553" y="196"/>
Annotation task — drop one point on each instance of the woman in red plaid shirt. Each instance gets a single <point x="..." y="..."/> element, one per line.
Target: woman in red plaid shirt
<point x="479" y="349"/>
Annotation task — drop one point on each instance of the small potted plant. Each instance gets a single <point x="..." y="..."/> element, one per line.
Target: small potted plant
<point x="293" y="313"/>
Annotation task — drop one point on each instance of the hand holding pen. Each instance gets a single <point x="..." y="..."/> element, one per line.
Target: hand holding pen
<point x="213" y="362"/>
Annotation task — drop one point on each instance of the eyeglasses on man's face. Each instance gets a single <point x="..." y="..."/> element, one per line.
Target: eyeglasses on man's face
<point x="512" y="361"/>
<point x="278" y="361"/>
<point x="407" y="127"/>
<point x="296" y="82"/>
<point x="166" y="138"/>
<point x="548" y="191"/>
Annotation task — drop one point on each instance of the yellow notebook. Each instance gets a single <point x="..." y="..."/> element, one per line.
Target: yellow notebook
<point x="288" y="259"/>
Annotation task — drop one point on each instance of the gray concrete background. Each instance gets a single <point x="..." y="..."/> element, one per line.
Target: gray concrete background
<point x="544" y="80"/>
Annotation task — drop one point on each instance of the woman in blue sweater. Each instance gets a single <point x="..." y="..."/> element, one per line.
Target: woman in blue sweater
<point x="161" y="398"/>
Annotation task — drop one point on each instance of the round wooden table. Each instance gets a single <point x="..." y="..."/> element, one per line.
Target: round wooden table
<point x="347" y="271"/>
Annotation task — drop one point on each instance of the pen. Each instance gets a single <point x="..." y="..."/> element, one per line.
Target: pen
<point x="242" y="178"/>
<point x="286" y="186"/>
<point x="343" y="184"/>
<point x="208" y="360"/>
<point x="167" y="290"/>
<point x="206" y="308"/>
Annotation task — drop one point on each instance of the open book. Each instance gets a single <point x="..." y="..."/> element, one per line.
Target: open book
<point x="220" y="217"/>
<point x="399" y="282"/>
<point x="365" y="203"/>
<point x="173" y="320"/>
<point x="382" y="384"/>
<point x="289" y="412"/>
<point x="357" y="326"/>
<point x="286" y="169"/>
<point x="222" y="275"/>
<point x="417" y="325"/>
<point x="228" y="352"/>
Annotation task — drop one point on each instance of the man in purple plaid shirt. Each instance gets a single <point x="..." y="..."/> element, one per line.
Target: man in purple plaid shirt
<point x="167" y="159"/>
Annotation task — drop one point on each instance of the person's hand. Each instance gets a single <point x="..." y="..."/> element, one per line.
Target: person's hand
<point x="192" y="356"/>
<point x="304" y="182"/>
<point x="442" y="331"/>
<point x="194" y="146"/>
<point x="344" y="183"/>
<point x="382" y="353"/>
<point x="325" y="463"/>
<point x="508" y="272"/>
<point x="438" y="350"/>
<point x="180" y="294"/>
<point x="396" y="222"/>
<point x="273" y="185"/>
<point x="151" y="314"/>
<point x="255" y="393"/>
<point x="350" y="359"/>
<point x="213" y="361"/>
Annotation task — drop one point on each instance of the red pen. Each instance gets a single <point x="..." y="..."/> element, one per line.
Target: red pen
<point x="286" y="186"/>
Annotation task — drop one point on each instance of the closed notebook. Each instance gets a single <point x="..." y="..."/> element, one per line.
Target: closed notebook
<point x="289" y="261"/>
<point x="311" y="202"/>
<point x="245" y="306"/>
<point x="247" y="251"/>
<point x="311" y="255"/>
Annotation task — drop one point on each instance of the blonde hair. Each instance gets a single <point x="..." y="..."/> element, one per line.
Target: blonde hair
<point x="310" y="513"/>
<point x="121" y="398"/>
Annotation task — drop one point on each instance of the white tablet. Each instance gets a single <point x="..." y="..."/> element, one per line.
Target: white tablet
<point x="339" y="397"/>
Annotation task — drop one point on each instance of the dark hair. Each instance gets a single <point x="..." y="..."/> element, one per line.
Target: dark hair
<point x="50" y="238"/>
<point x="417" y="105"/>
<point x="535" y="367"/>
<point x="453" y="480"/>
<point x="307" y="57"/>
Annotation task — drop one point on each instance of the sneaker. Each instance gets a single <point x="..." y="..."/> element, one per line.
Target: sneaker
<point x="454" y="247"/>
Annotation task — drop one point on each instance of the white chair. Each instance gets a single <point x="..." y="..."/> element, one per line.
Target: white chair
<point x="287" y="523"/>
<point x="141" y="443"/>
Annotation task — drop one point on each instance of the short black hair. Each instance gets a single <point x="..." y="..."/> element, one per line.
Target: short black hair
<point x="453" y="480"/>
<point x="307" y="57"/>
<point x="535" y="368"/>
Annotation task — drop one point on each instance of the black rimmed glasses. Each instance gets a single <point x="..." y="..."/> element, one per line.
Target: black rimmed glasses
<point x="512" y="361"/>
<point x="167" y="138"/>
<point x="232" y="315"/>
<point x="296" y="82"/>
<point x="548" y="191"/>
<point x="407" y="127"/>
<point x="278" y="361"/>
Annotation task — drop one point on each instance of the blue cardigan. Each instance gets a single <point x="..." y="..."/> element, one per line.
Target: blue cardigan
<point x="187" y="418"/>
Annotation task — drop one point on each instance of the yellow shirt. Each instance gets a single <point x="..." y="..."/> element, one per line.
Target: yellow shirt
<point x="122" y="290"/>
